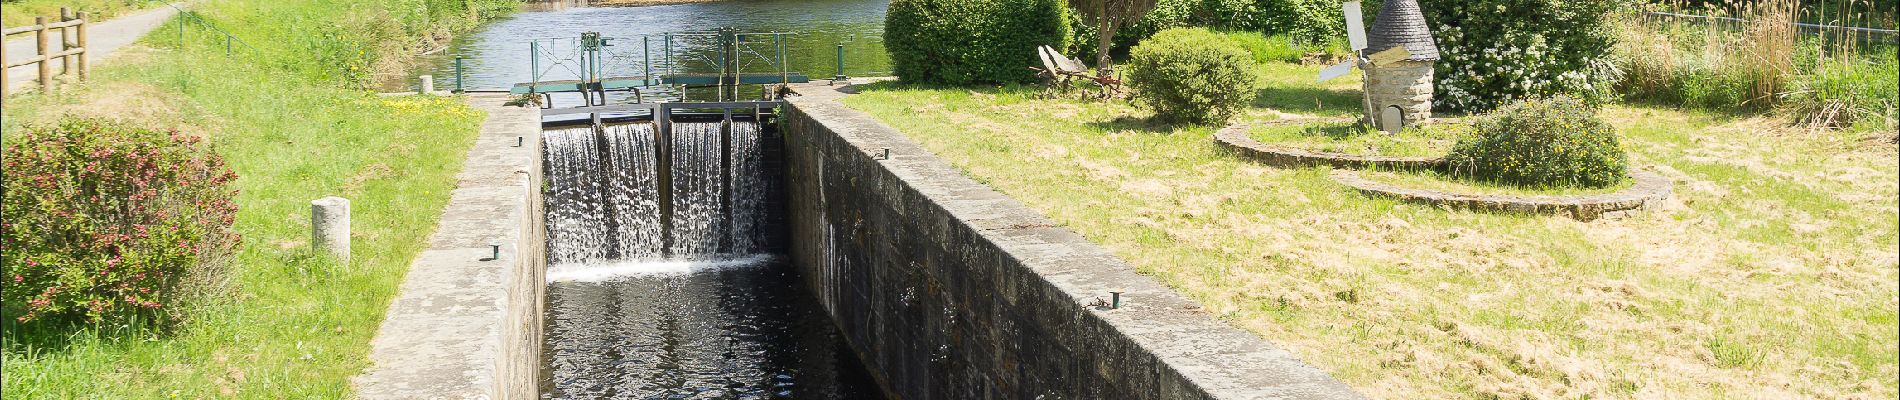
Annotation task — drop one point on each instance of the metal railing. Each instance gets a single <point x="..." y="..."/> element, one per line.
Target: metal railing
<point x="71" y="55"/>
<point x="1893" y="35"/>
<point x="185" y="16"/>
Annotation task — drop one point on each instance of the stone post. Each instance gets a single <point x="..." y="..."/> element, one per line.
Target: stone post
<point x="428" y="85"/>
<point x="330" y="226"/>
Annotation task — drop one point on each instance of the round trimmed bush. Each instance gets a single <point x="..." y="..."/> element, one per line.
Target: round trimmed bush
<point x="1191" y="75"/>
<point x="965" y="42"/>
<point x="1555" y="142"/>
<point x="102" y="221"/>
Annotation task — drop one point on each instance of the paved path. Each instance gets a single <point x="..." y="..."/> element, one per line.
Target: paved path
<point x="467" y="326"/>
<point x="104" y="38"/>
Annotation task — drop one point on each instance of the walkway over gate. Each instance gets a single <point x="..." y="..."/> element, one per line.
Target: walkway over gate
<point x="594" y="65"/>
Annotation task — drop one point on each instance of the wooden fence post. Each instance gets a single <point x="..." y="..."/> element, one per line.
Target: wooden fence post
<point x="46" y="55"/>
<point x="5" y="83"/>
<point x="65" y="42"/>
<point x="85" y="67"/>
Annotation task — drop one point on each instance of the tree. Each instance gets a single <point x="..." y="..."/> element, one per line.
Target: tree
<point x="1108" y="16"/>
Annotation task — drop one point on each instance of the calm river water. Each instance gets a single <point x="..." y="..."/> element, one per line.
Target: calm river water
<point x="498" y="56"/>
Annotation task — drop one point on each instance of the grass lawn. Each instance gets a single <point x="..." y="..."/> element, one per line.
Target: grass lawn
<point x="1349" y="137"/>
<point x="1773" y="274"/>
<point x="21" y="12"/>
<point x="292" y="324"/>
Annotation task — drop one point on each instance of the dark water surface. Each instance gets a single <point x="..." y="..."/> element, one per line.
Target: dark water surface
<point x="700" y="308"/>
<point x="742" y="329"/>
<point x="497" y="57"/>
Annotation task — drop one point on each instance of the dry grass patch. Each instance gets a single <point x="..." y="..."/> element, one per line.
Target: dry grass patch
<point x="1774" y="277"/>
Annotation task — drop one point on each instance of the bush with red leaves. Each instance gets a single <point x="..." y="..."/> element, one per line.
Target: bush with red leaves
<point x="106" y="222"/>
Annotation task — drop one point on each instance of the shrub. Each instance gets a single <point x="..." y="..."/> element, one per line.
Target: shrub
<point x="104" y="221"/>
<point x="962" y="42"/>
<point x="1494" y="51"/>
<point x="1306" y="21"/>
<point x="1556" y="142"/>
<point x="1191" y="75"/>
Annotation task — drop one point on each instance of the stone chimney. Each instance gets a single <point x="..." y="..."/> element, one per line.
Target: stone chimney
<point x="1406" y="85"/>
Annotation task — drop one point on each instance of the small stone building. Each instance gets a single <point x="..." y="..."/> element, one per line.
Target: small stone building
<point x="1407" y="84"/>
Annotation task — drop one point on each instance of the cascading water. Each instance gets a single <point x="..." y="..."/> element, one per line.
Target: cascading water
<point x="698" y="185"/>
<point x="636" y="310"/>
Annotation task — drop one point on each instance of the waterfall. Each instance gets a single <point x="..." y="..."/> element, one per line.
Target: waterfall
<point x="698" y="189"/>
<point x="604" y="202"/>
<point x="661" y="284"/>
<point x="575" y="208"/>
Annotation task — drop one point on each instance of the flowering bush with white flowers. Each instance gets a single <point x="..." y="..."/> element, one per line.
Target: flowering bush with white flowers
<point x="1496" y="51"/>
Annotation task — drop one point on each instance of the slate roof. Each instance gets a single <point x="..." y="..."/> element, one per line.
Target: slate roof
<point x="1401" y="23"/>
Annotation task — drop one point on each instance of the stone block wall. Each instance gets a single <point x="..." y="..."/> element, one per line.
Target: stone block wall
<point x="1407" y="84"/>
<point x="950" y="290"/>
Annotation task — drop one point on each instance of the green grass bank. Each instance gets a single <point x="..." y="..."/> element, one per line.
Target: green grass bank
<point x="290" y="117"/>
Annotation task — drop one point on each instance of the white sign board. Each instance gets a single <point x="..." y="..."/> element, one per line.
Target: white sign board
<point x="1355" y="26"/>
<point x="1335" y="71"/>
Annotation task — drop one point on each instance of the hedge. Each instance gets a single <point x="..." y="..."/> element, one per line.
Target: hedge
<point x="964" y="42"/>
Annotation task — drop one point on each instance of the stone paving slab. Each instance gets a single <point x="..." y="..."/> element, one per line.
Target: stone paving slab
<point x="466" y="325"/>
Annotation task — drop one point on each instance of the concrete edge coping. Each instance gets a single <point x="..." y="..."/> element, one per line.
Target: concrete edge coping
<point x="1234" y="137"/>
<point x="1155" y="317"/>
<point x="1649" y="191"/>
<point x="445" y="332"/>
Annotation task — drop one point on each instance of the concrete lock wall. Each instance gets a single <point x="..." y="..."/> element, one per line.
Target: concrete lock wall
<point x="519" y="370"/>
<point x="950" y="290"/>
<point x="466" y="323"/>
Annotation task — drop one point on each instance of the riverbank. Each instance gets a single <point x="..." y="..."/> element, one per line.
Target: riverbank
<point x="1773" y="276"/>
<point x="289" y="118"/>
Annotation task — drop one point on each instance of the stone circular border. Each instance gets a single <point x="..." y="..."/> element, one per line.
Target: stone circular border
<point x="1234" y="137"/>
<point x="1649" y="191"/>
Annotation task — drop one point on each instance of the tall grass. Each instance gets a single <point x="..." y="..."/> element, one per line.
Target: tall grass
<point x="288" y="114"/>
<point x="1763" y="62"/>
<point x="1769" y="54"/>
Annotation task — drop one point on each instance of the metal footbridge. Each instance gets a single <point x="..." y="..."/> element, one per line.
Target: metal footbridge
<point x="724" y="62"/>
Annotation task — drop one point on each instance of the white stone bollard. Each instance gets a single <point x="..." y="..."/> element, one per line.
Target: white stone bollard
<point x="330" y="226"/>
<point x="428" y="85"/>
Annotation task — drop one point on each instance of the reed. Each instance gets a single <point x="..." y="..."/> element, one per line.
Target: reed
<point x="1763" y="62"/>
<point x="1767" y="57"/>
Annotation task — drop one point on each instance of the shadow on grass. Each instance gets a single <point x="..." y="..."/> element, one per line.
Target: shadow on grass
<point x="54" y="337"/>
<point x="1334" y="131"/>
<point x="1144" y="124"/>
<point x="895" y="85"/>
<point x="1309" y="100"/>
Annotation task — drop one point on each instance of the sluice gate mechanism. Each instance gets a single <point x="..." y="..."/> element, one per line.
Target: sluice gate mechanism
<point x="679" y="65"/>
<point x="662" y="159"/>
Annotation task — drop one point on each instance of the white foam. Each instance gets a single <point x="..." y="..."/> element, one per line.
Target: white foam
<point x="602" y="272"/>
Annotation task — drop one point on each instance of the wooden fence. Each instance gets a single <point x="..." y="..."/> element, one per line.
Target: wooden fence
<point x="71" y="54"/>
